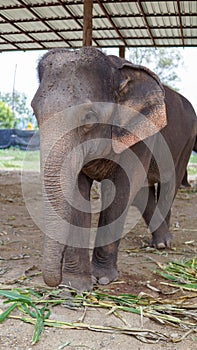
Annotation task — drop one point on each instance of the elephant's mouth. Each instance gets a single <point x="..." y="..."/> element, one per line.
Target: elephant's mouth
<point x="99" y="169"/>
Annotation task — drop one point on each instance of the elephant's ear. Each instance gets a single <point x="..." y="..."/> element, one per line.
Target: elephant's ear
<point x="140" y="107"/>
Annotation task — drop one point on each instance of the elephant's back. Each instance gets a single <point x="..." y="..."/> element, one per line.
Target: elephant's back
<point x="181" y="121"/>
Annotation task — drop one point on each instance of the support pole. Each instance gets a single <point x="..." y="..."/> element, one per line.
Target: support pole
<point x="122" y="51"/>
<point x="87" y="22"/>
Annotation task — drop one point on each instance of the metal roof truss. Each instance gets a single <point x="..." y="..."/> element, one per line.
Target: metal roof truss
<point x="36" y="24"/>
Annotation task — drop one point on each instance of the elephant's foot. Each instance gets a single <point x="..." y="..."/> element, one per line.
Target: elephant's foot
<point x="104" y="263"/>
<point x="104" y="275"/>
<point x="76" y="272"/>
<point x="161" y="240"/>
<point x="78" y="282"/>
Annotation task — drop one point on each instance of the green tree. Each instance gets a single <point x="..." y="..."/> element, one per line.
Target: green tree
<point x="18" y="105"/>
<point x="163" y="61"/>
<point x="6" y="116"/>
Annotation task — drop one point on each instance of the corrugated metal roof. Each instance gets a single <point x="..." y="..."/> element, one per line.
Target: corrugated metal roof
<point x="37" y="24"/>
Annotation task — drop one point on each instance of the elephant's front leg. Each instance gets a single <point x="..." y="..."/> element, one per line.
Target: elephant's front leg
<point x="111" y="223"/>
<point x="76" y="271"/>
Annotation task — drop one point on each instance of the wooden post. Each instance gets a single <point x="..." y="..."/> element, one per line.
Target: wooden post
<point x="122" y="51"/>
<point x="87" y="22"/>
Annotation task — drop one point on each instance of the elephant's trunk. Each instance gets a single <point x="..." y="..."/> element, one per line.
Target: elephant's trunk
<point x="58" y="179"/>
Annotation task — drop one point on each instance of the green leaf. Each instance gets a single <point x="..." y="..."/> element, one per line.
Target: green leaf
<point x="6" y="313"/>
<point x="39" y="326"/>
<point x="38" y="329"/>
<point x="23" y="307"/>
<point x="165" y="275"/>
<point x="12" y="296"/>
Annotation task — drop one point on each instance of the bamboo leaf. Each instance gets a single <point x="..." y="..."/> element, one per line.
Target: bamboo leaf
<point x="6" y="313"/>
<point x="38" y="329"/>
<point x="12" y="296"/>
<point x="39" y="326"/>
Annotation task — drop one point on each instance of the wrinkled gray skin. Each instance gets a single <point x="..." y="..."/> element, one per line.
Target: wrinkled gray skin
<point x="83" y="77"/>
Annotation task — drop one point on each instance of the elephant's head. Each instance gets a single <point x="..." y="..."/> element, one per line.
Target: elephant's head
<point x="88" y="105"/>
<point x="85" y="95"/>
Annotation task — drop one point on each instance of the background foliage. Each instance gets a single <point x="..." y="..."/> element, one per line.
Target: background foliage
<point x="6" y="116"/>
<point x="164" y="62"/>
<point x="19" y="113"/>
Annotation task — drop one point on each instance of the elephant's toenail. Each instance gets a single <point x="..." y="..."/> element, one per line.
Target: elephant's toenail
<point x="94" y="280"/>
<point x="103" y="280"/>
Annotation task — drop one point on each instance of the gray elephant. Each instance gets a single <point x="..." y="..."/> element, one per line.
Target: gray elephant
<point x="103" y="118"/>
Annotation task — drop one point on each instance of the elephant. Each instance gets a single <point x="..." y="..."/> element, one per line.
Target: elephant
<point x="185" y="182"/>
<point x="195" y="146"/>
<point x="103" y="118"/>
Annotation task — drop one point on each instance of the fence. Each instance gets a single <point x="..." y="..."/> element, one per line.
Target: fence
<point x="20" y="139"/>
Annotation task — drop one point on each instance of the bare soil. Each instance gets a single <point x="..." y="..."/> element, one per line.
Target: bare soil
<point x="20" y="265"/>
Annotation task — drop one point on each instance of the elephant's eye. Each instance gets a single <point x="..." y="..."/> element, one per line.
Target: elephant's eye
<point x="89" y="120"/>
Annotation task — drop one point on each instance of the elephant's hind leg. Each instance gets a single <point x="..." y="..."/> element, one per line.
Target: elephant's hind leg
<point x="156" y="214"/>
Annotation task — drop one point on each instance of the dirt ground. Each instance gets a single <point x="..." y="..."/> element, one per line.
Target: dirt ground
<point x="21" y="253"/>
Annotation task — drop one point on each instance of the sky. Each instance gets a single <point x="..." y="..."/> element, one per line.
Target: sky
<point x="18" y="71"/>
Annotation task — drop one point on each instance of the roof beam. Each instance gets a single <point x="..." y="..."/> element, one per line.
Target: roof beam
<point x="76" y="19"/>
<point x="38" y="19"/>
<point x="47" y="30"/>
<point x="145" y="19"/>
<point x="102" y="30"/>
<point x="111" y="21"/>
<point x="65" y="7"/>
<point x="180" y="21"/>
<point x="99" y="39"/>
<point x="52" y="4"/>
<point x="25" y="33"/>
<point x="104" y="47"/>
<point x="9" y="42"/>
<point x="44" y="21"/>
